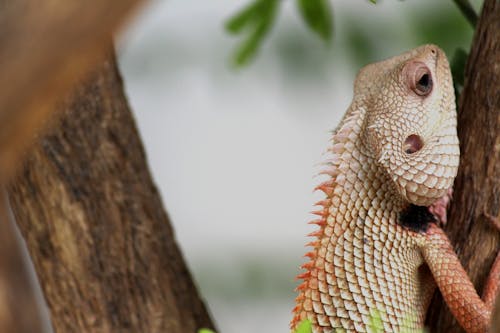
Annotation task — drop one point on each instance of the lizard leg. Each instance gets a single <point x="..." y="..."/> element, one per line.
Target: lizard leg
<point x="472" y="313"/>
<point x="492" y="285"/>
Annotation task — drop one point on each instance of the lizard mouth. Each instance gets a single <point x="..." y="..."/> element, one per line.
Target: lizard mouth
<point x="412" y="144"/>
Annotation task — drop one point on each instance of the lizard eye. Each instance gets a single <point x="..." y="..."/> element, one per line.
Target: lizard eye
<point x="419" y="78"/>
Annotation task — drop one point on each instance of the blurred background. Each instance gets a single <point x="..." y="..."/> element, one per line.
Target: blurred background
<point x="234" y="151"/>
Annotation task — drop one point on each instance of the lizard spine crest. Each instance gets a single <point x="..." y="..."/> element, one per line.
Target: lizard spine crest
<point x="336" y="167"/>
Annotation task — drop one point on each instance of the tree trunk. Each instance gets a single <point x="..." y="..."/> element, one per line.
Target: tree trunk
<point x="46" y="46"/>
<point x="477" y="186"/>
<point x="94" y="223"/>
<point x="22" y="309"/>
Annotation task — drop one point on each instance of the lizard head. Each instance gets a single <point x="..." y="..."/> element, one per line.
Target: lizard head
<point x="410" y="122"/>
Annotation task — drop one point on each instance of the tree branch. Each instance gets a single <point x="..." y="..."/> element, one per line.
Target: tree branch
<point x="477" y="186"/>
<point x="467" y="10"/>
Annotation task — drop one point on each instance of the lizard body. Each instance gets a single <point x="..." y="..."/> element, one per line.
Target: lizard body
<point x="378" y="250"/>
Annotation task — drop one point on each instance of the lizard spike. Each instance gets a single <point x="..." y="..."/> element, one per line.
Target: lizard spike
<point x="308" y="265"/>
<point x="329" y="182"/>
<point x="303" y="276"/>
<point x="300" y="298"/>
<point x="313" y="243"/>
<point x="320" y="222"/>
<point x="328" y="190"/>
<point x="334" y="160"/>
<point x="383" y="156"/>
<point x="315" y="233"/>
<point x="329" y="172"/>
<point x="326" y="187"/>
<point x="310" y="255"/>
<point x="322" y="213"/>
<point x="302" y="286"/>
<point x="337" y="148"/>
<point x="296" y="319"/>
<point x="324" y="203"/>
<point x="342" y="135"/>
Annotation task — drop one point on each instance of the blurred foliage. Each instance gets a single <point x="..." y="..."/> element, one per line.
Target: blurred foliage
<point x="205" y="330"/>
<point x="257" y="19"/>
<point x="305" y="326"/>
<point x="446" y="29"/>
<point x="458" y="69"/>
<point x="361" y="46"/>
<point x="375" y="325"/>
<point x="317" y="15"/>
<point x="250" y="278"/>
<point x="468" y="11"/>
<point x="303" y="60"/>
<point x="443" y="29"/>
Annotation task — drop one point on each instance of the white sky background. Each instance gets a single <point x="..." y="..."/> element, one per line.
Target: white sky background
<point x="234" y="152"/>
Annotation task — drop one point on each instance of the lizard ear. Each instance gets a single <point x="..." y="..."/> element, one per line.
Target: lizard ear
<point x="412" y="144"/>
<point x="418" y="78"/>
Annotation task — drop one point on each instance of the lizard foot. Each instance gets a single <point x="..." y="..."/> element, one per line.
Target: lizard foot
<point x="440" y="207"/>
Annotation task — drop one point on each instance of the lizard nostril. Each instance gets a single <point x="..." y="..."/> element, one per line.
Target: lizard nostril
<point x="413" y="143"/>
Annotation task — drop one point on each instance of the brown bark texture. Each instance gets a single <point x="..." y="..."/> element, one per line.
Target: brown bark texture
<point x="21" y="304"/>
<point x="477" y="186"/>
<point x="94" y="223"/>
<point x="46" y="47"/>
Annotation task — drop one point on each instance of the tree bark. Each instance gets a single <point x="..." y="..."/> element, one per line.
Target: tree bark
<point x="47" y="47"/>
<point x="22" y="309"/>
<point x="94" y="224"/>
<point x="477" y="186"/>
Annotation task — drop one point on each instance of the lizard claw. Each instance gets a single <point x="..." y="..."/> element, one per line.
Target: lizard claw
<point x="440" y="207"/>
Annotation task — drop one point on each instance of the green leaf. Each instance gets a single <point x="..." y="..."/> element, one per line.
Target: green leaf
<point x="205" y="330"/>
<point x="317" y="15"/>
<point x="247" y="50"/>
<point x="373" y="1"/>
<point x="305" y="326"/>
<point x="242" y="19"/>
<point x="258" y="18"/>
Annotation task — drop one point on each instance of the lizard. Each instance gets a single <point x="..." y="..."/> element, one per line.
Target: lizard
<point x="379" y="249"/>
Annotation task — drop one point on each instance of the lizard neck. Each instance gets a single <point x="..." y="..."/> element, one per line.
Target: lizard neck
<point x="361" y="201"/>
<point x="355" y="173"/>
